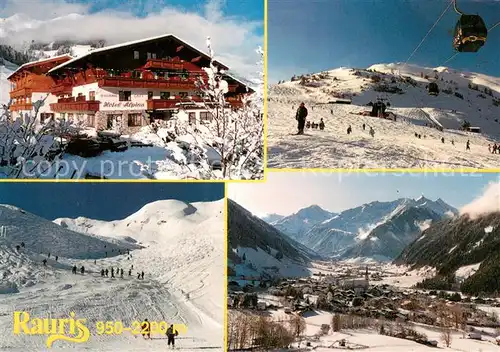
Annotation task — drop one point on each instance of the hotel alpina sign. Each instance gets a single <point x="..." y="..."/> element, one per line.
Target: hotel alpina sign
<point x="123" y="105"/>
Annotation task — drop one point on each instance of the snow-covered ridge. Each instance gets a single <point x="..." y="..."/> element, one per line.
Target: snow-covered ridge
<point x="464" y="96"/>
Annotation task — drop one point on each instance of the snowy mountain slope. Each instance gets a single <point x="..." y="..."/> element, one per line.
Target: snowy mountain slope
<point x="297" y="224"/>
<point x="182" y="257"/>
<point x="387" y="241"/>
<point x="43" y="236"/>
<point x="256" y="248"/>
<point x="6" y="69"/>
<point x="394" y="144"/>
<point x="453" y="245"/>
<point x="344" y="233"/>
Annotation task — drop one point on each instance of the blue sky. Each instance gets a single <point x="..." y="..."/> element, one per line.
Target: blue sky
<point x="286" y="193"/>
<point x="103" y="201"/>
<point x="248" y="9"/>
<point x="313" y="35"/>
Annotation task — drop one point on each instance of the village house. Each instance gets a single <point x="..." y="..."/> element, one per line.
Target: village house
<point x="121" y="87"/>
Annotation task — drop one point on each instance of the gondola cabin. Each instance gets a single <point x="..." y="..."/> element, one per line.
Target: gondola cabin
<point x="433" y="88"/>
<point x="470" y="34"/>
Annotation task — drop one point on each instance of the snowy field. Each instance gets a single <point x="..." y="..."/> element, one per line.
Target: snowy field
<point x="177" y="245"/>
<point x="370" y="340"/>
<point x="5" y="72"/>
<point x="394" y="144"/>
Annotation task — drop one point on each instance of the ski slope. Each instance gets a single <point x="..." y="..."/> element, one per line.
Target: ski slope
<point x="5" y="71"/>
<point x="179" y="247"/>
<point x="394" y="144"/>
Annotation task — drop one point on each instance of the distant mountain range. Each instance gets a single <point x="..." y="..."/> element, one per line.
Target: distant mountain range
<point x="379" y="230"/>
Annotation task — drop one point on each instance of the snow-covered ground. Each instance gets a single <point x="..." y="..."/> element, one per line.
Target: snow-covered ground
<point x="179" y="247"/>
<point x="371" y="341"/>
<point x="394" y="144"/>
<point x="5" y="71"/>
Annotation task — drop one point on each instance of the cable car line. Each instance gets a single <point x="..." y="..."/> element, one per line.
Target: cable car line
<point x="456" y="8"/>
<point x="429" y="32"/>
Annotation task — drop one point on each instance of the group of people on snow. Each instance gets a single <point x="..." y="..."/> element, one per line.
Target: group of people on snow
<point x="302" y="113"/>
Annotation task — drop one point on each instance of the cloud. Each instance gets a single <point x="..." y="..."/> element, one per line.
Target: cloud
<point x="488" y="202"/>
<point x="424" y="225"/>
<point x="234" y="40"/>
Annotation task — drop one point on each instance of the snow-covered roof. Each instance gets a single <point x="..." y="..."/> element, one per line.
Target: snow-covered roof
<point x="37" y="62"/>
<point x="116" y="46"/>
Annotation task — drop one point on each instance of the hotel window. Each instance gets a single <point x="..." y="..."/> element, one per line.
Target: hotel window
<point x="164" y="95"/>
<point x="70" y="117"/>
<point x="136" y="74"/>
<point x="91" y="120"/>
<point x="205" y="116"/>
<point x="183" y="94"/>
<point x="124" y="95"/>
<point x="165" y="75"/>
<point x="192" y="118"/>
<point x="150" y="95"/>
<point x="136" y="55"/>
<point x="149" y="56"/>
<point x="154" y="55"/>
<point x="91" y="95"/>
<point x="134" y="120"/>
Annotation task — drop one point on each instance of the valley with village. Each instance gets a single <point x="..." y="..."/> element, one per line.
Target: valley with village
<point x="414" y="274"/>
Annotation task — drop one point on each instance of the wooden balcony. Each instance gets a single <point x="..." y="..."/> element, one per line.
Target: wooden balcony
<point x="61" y="89"/>
<point x="162" y="104"/>
<point x="21" y="92"/>
<point x="21" y="107"/>
<point x="165" y="64"/>
<point x="75" y="104"/>
<point x="127" y="82"/>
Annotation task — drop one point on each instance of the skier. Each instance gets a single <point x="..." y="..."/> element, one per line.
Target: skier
<point x="132" y="266"/>
<point x="452" y="142"/>
<point x="18" y="248"/>
<point x="442" y="139"/>
<point x="57" y="258"/>
<point x="489" y="148"/>
<point x="467" y="146"/>
<point x="121" y="273"/>
<point x="74" y="269"/>
<point x="139" y="276"/>
<point x="22" y="244"/>
<point x="321" y="124"/>
<point x="95" y="261"/>
<point x="142" y="275"/>
<point x="82" y="270"/>
<point x="364" y="127"/>
<point x="44" y="262"/>
<point x="372" y="132"/>
<point x="112" y="272"/>
<point x="102" y="272"/>
<point x="349" y="129"/>
<point x="130" y="272"/>
<point x="308" y="124"/>
<point x="300" y="116"/>
<point x="48" y="256"/>
<point x="106" y="272"/>
<point x="146" y="328"/>
<point x="171" y="334"/>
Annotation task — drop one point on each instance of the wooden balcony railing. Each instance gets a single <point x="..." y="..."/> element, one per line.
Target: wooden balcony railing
<point x="75" y="104"/>
<point x="21" y="107"/>
<point x="20" y="92"/>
